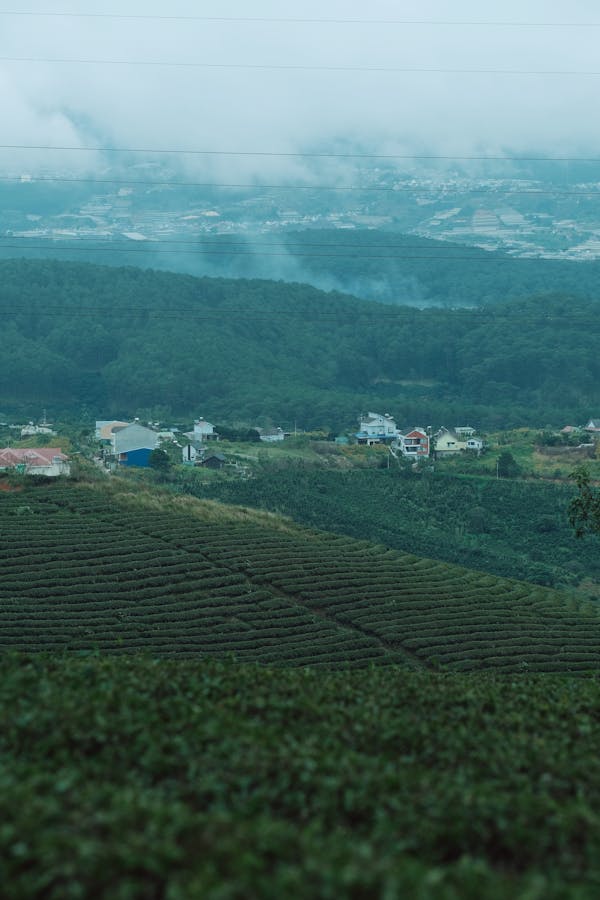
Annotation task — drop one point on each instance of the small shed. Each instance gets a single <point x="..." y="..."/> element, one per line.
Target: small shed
<point x="271" y="434"/>
<point x="213" y="461"/>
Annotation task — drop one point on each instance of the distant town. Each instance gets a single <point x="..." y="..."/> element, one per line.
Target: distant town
<point x="522" y="216"/>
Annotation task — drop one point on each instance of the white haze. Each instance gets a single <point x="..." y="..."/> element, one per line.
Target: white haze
<point x="286" y="111"/>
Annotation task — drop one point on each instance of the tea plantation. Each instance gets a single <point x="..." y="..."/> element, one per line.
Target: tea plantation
<point x="129" y="778"/>
<point x="96" y="568"/>
<point x="199" y="701"/>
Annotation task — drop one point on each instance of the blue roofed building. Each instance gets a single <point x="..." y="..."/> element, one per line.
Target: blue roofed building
<point x="376" y="429"/>
<point x="133" y="444"/>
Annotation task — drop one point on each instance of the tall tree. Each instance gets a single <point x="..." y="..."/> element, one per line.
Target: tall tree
<point x="584" y="510"/>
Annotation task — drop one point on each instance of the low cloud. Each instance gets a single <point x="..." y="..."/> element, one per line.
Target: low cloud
<point x="299" y="110"/>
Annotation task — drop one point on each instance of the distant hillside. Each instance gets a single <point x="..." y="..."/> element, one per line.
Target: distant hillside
<point x="98" y="568"/>
<point x="121" y="340"/>
<point x="386" y="266"/>
<point x="405" y="269"/>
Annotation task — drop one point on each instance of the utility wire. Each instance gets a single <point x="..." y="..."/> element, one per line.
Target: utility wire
<point x="300" y="154"/>
<point x="442" y="189"/>
<point x="409" y="313"/>
<point x="242" y="241"/>
<point x="411" y="70"/>
<point x="302" y="21"/>
<point x="293" y="255"/>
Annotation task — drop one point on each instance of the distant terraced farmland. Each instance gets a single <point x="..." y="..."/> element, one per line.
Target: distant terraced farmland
<point x="89" y="568"/>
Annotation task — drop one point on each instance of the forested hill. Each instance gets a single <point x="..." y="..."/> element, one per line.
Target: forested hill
<point x="125" y="339"/>
<point x="406" y="269"/>
<point x="372" y="264"/>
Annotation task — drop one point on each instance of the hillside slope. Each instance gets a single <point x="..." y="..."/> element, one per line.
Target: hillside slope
<point x="516" y="528"/>
<point x="87" y="568"/>
<point x="380" y="265"/>
<point x="122" y="340"/>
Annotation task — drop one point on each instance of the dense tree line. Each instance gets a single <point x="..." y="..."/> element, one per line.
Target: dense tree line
<point x="397" y="268"/>
<point x="122" y="339"/>
<point x="384" y="266"/>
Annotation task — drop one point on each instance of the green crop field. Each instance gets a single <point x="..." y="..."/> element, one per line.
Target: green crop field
<point x="207" y="701"/>
<point x="124" y="778"/>
<point x="513" y="528"/>
<point x="96" y="568"/>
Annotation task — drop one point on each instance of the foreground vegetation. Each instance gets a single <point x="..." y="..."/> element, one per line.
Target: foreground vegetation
<point x="397" y="738"/>
<point x="125" y="778"/>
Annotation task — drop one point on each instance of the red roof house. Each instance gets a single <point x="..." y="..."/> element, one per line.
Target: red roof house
<point x="50" y="461"/>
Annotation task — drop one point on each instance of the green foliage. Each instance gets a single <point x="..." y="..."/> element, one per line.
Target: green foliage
<point x="584" y="510"/>
<point x="506" y="465"/>
<point x="506" y="527"/>
<point x="159" y="460"/>
<point x="123" y="339"/>
<point x="130" y="778"/>
<point x="92" y="567"/>
<point x="240" y="435"/>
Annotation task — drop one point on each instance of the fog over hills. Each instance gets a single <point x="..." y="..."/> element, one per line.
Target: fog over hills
<point x="147" y="125"/>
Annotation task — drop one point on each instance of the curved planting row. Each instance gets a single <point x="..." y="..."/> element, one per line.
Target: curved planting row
<point x="97" y="576"/>
<point x="81" y="573"/>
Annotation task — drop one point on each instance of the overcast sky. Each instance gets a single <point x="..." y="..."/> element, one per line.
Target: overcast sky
<point x="287" y="110"/>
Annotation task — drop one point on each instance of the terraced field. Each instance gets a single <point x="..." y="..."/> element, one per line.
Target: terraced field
<point x="86" y="568"/>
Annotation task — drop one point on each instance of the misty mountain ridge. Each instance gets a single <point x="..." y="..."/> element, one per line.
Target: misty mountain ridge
<point x="356" y="225"/>
<point x="123" y="339"/>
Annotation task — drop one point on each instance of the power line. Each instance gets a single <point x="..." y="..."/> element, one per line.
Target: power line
<point x="300" y="154"/>
<point x="109" y="248"/>
<point x="445" y="189"/>
<point x="241" y="241"/>
<point x="301" y="21"/>
<point x="409" y="313"/>
<point x="411" y="70"/>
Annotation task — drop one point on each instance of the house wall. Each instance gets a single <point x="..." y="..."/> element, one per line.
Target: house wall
<point x="134" y="437"/>
<point x="213" y="463"/>
<point x="137" y="457"/>
<point x="204" y="431"/>
<point x="415" y="444"/>
<point x="448" y="444"/>
<point x="50" y="471"/>
<point x="53" y="471"/>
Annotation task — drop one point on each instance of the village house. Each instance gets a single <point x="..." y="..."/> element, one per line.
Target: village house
<point x="193" y="452"/>
<point x="475" y="445"/>
<point x="213" y="461"/>
<point x="104" y="430"/>
<point x="593" y="426"/>
<point x="133" y="444"/>
<point x="448" y="443"/>
<point x="271" y="435"/>
<point x="31" y="430"/>
<point x="204" y="431"/>
<point x="414" y="444"/>
<point x="375" y="428"/>
<point x="48" y="461"/>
